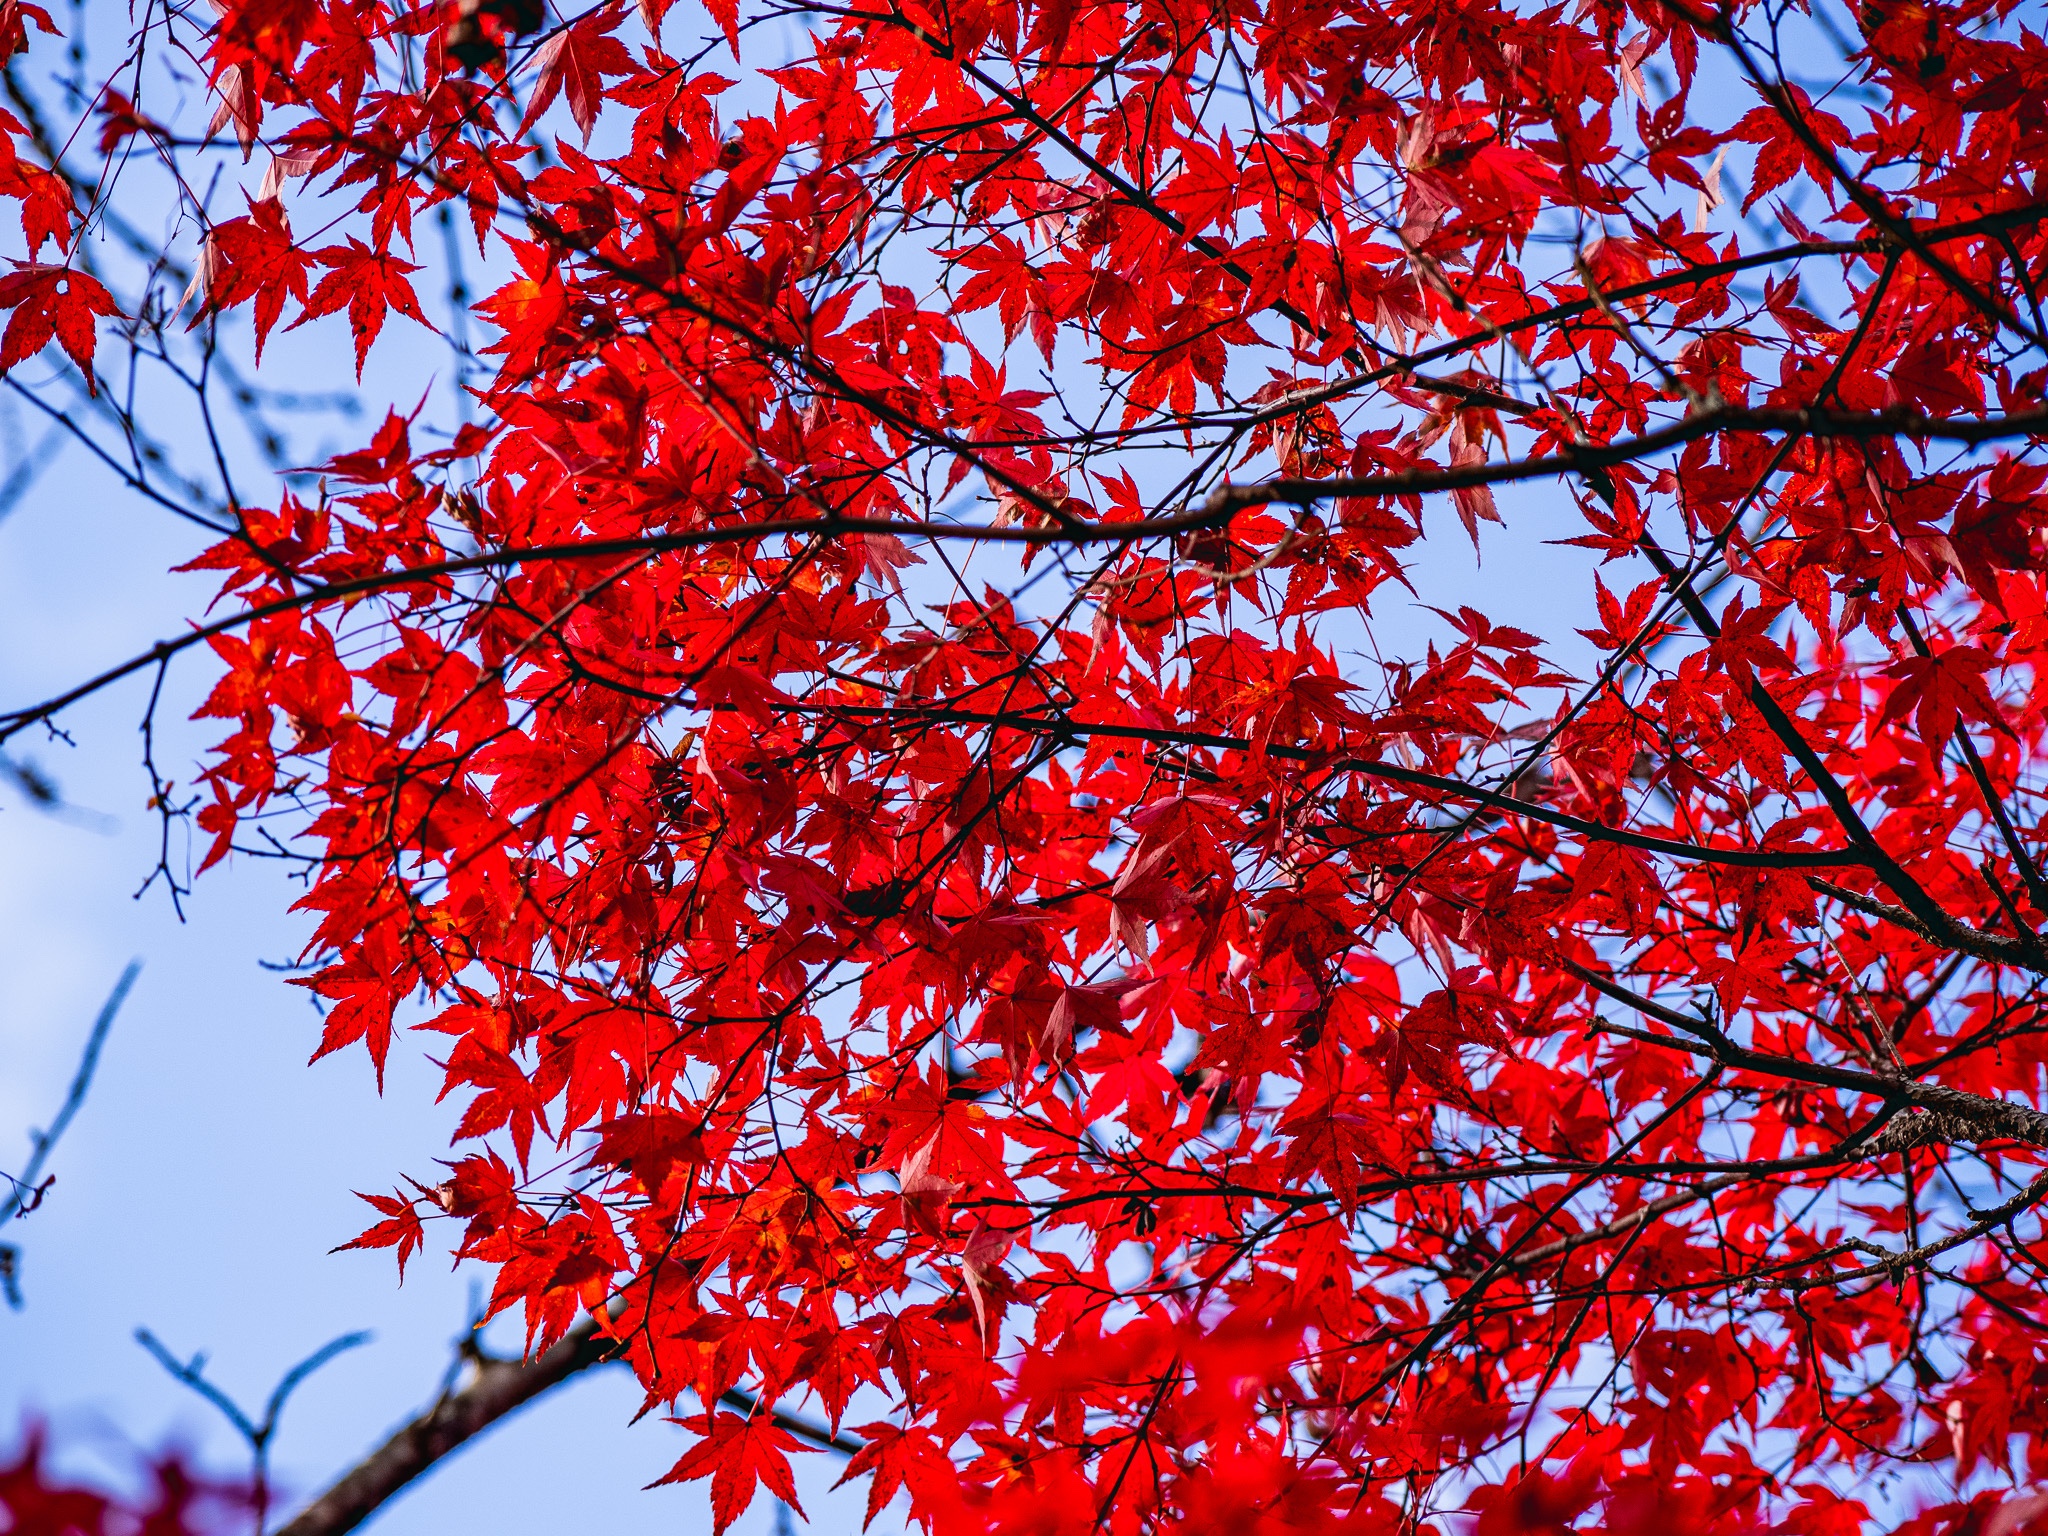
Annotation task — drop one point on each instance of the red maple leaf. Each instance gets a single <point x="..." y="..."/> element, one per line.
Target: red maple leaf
<point x="52" y="302"/>
<point x="575" y="61"/>
<point x="369" y="285"/>
<point x="736" y="1453"/>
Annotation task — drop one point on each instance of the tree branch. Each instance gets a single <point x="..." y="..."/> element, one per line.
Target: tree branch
<point x="499" y="1388"/>
<point x="1371" y="768"/>
<point x="1806" y="421"/>
<point x="1950" y="1114"/>
<point x="1222" y="504"/>
<point x="26" y="1193"/>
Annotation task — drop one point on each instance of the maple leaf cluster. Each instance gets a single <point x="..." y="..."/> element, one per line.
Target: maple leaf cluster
<point x="881" y="763"/>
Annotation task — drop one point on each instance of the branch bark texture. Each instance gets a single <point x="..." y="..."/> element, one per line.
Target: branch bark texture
<point x="498" y="1388"/>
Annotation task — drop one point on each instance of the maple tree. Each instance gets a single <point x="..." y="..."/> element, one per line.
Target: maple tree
<point x="887" y="756"/>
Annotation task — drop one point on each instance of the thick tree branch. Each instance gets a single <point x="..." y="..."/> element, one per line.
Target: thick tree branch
<point x="1909" y="891"/>
<point x="1372" y="768"/>
<point x="1223" y="504"/>
<point x="1947" y="934"/>
<point x="1806" y="422"/>
<point x="497" y="1388"/>
<point x="1994" y="803"/>
<point x="1949" y="1114"/>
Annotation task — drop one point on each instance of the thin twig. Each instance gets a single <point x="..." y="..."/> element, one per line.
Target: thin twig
<point x="192" y="1373"/>
<point x="26" y="1192"/>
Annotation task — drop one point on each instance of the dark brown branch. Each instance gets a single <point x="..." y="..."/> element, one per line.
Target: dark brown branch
<point x="1893" y="1265"/>
<point x="1690" y="276"/>
<point x="1623" y="1225"/>
<point x="1954" y="1114"/>
<point x="1416" y="778"/>
<point x="1994" y="803"/>
<point x="1909" y="891"/>
<point x="1809" y="422"/>
<point x="1871" y="203"/>
<point x="1949" y="934"/>
<point x="499" y="1387"/>
<point x="1222" y="504"/>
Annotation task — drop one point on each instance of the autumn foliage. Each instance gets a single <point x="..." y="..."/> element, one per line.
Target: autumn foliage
<point x="174" y="1500"/>
<point x="892" y="762"/>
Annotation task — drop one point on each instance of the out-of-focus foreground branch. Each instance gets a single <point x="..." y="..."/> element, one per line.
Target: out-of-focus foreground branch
<point x="25" y="1193"/>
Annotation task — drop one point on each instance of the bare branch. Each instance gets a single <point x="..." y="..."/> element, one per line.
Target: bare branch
<point x="259" y="1435"/>
<point x="26" y="1192"/>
